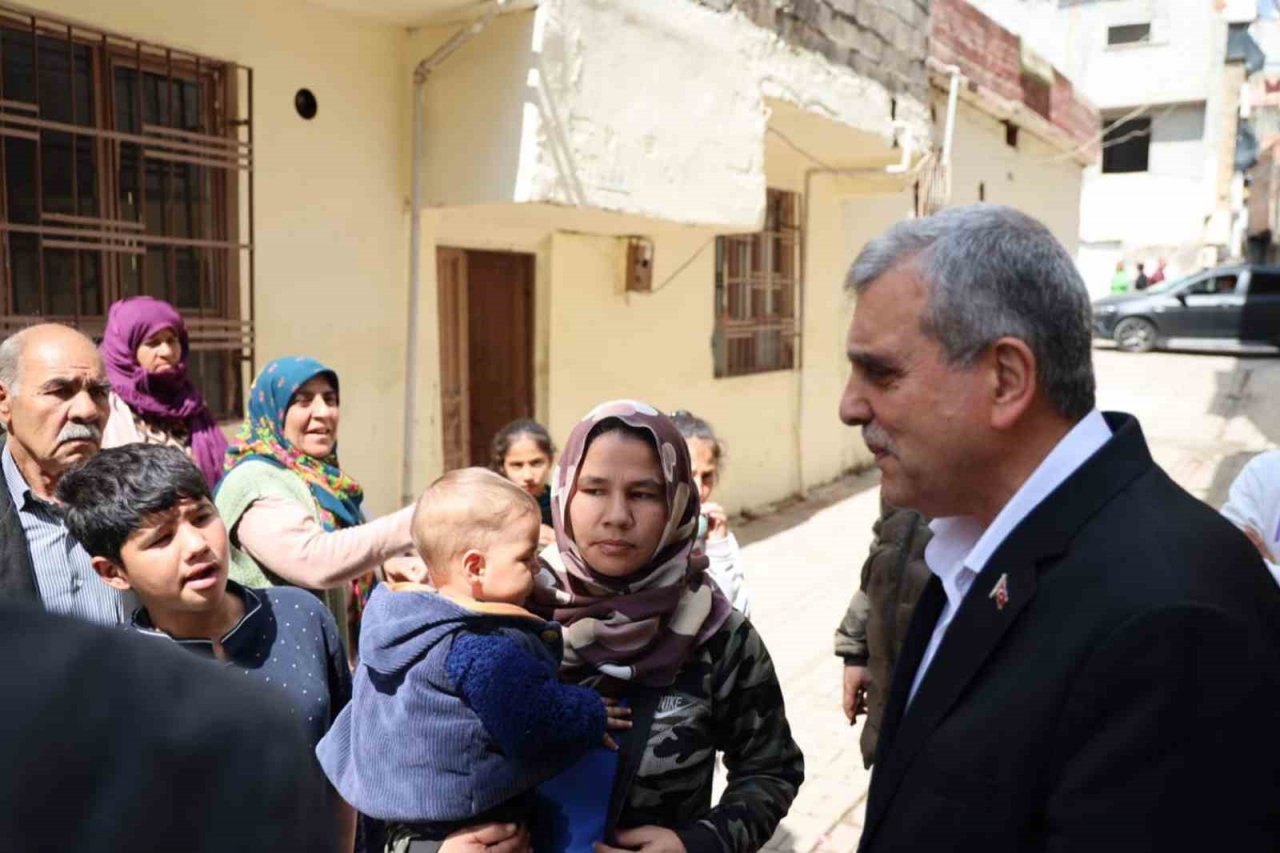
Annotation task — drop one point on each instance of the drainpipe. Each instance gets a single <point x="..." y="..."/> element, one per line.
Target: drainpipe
<point x="948" y="134"/>
<point x="420" y="75"/>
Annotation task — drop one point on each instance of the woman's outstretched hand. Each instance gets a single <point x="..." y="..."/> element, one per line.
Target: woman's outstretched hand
<point x="644" y="839"/>
<point x="617" y="717"/>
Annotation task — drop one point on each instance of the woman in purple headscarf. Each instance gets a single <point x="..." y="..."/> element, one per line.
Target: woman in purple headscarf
<point x="153" y="401"/>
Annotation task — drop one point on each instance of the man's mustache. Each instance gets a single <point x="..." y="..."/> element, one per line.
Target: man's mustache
<point x="878" y="440"/>
<point x="80" y="432"/>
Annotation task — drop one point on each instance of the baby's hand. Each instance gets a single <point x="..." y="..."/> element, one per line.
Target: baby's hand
<point x="617" y="716"/>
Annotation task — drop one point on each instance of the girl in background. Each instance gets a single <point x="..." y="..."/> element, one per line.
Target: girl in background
<point x="523" y="453"/>
<point x="714" y="536"/>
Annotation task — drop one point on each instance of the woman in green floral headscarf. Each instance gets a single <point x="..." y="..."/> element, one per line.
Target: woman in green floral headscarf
<point x="294" y="515"/>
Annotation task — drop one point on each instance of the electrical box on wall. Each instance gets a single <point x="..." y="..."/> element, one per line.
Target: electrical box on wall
<point x="639" y="270"/>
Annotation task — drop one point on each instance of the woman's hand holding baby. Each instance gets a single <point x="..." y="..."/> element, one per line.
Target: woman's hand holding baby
<point x="617" y="717"/>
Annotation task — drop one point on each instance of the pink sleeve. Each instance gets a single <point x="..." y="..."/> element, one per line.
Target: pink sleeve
<point x="120" y="428"/>
<point x="285" y="538"/>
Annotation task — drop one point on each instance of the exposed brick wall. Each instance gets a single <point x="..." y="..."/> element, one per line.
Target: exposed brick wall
<point x="991" y="58"/>
<point x="886" y="40"/>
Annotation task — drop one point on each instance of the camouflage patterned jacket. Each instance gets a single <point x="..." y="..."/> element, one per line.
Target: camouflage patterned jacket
<point x="726" y="698"/>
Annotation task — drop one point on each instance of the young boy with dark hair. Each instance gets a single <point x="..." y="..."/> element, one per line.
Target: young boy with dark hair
<point x="145" y="515"/>
<point x="458" y="712"/>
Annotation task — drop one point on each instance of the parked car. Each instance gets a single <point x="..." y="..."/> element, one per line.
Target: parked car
<point x="1227" y="306"/>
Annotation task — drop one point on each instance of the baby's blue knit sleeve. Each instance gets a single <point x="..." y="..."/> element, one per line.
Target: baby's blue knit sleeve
<point x="522" y="704"/>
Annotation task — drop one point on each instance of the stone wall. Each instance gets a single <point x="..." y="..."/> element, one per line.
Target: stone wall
<point x="885" y="40"/>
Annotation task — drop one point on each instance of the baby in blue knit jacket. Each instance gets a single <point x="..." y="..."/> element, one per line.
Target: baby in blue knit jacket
<point x="457" y="712"/>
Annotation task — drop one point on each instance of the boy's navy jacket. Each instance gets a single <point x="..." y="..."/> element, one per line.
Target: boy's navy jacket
<point x="455" y="710"/>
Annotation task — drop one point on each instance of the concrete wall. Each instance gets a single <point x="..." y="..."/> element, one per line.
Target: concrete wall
<point x="1166" y="205"/>
<point x="882" y="39"/>
<point x="1034" y="177"/>
<point x="1182" y="62"/>
<point x="329" y="193"/>
<point x="595" y="341"/>
<point x="548" y="106"/>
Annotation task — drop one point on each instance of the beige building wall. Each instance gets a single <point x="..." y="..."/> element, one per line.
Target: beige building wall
<point x="595" y="341"/>
<point x="331" y="238"/>
<point x="329" y="194"/>
<point x="1035" y="177"/>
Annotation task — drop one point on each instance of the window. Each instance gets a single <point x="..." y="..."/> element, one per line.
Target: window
<point x="1264" y="284"/>
<point x="1129" y="34"/>
<point x="125" y="170"/>
<point x="1126" y="145"/>
<point x="757" y="291"/>
<point x="1010" y="134"/>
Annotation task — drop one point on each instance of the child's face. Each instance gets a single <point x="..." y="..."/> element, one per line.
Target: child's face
<point x="702" y="454"/>
<point x="527" y="465"/>
<point x="510" y="562"/>
<point x="176" y="560"/>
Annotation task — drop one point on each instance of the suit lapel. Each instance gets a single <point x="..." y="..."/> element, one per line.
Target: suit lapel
<point x="17" y="575"/>
<point x="919" y="631"/>
<point x="980" y="623"/>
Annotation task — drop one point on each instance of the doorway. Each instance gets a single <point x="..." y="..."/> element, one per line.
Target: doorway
<point x="486" y="348"/>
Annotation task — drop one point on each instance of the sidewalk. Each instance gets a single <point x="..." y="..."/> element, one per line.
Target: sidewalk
<point x="802" y="565"/>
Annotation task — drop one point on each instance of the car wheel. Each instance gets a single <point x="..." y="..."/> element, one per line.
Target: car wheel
<point x="1134" y="334"/>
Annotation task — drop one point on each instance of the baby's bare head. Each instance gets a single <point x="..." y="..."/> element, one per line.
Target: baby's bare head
<point x="467" y="509"/>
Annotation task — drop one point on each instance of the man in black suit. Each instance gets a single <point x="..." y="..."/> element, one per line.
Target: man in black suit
<point x="1094" y="664"/>
<point x="111" y="743"/>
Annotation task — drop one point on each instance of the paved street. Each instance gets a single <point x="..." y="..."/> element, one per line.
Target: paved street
<point x="1204" y="416"/>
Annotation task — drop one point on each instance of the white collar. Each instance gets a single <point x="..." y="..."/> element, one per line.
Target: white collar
<point x="959" y="541"/>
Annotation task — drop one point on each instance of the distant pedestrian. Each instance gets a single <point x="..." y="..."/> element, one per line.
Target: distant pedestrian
<point x="714" y="536"/>
<point x="1141" y="282"/>
<point x="1158" y="275"/>
<point x="522" y="451"/>
<point x="153" y="400"/>
<point x="875" y="626"/>
<point x="1120" y="281"/>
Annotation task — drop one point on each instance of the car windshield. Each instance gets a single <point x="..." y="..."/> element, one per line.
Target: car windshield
<point x="1167" y="286"/>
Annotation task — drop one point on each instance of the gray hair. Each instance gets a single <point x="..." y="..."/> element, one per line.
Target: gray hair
<point x="993" y="272"/>
<point x="10" y="360"/>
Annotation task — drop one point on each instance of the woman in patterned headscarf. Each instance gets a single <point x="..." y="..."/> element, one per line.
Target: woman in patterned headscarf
<point x="645" y="624"/>
<point x="294" y="515"/>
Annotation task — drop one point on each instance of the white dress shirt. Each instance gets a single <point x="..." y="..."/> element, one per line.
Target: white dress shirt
<point x="1254" y="502"/>
<point x="960" y="547"/>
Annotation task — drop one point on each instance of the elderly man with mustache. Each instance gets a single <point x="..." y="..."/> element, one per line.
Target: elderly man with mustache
<point x="53" y="404"/>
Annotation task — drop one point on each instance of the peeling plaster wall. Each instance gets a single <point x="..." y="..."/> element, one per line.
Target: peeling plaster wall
<point x="647" y="107"/>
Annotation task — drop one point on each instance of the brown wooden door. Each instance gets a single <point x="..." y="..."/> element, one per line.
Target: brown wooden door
<point x="486" y="348"/>
<point x="500" y="344"/>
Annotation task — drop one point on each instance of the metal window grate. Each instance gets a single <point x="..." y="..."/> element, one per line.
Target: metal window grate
<point x="126" y="168"/>
<point x="756" y="293"/>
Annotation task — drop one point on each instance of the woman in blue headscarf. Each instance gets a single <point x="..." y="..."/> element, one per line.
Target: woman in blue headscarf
<point x="293" y="514"/>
